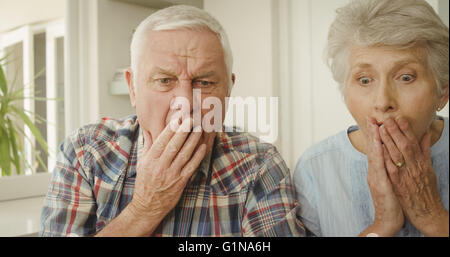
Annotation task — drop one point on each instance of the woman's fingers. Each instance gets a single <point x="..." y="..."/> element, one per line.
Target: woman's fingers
<point x="403" y="124"/>
<point x="394" y="154"/>
<point x="407" y="148"/>
<point x="388" y="212"/>
<point x="375" y="151"/>
<point x="425" y="145"/>
<point x="391" y="167"/>
<point x="406" y="142"/>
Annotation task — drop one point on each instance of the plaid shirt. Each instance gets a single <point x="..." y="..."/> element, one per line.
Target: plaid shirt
<point x="241" y="188"/>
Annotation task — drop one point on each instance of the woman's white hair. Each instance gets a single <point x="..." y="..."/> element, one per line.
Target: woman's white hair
<point x="401" y="23"/>
<point x="178" y="17"/>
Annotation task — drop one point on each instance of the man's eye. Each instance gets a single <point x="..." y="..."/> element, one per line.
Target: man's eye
<point x="164" y="80"/>
<point x="203" y="83"/>
<point x="407" y="78"/>
<point x="365" y="80"/>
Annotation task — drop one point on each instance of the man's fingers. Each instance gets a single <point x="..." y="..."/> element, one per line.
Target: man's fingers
<point x="147" y="140"/>
<point x="163" y="139"/>
<point x="192" y="165"/>
<point x="177" y="141"/>
<point x="187" y="150"/>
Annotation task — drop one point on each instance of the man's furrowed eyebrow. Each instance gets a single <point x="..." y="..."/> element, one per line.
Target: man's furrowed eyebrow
<point x="205" y="75"/>
<point x="158" y="70"/>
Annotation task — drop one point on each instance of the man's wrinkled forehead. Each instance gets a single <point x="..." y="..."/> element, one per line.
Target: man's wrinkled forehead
<point x="185" y="42"/>
<point x="175" y="48"/>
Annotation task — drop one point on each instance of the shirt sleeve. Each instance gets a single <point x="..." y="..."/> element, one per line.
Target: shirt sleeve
<point x="271" y="206"/>
<point x="304" y="187"/>
<point x="69" y="206"/>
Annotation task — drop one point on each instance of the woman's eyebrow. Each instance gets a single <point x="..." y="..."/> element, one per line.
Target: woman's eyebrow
<point x="398" y="63"/>
<point x="406" y="62"/>
<point x="361" y="66"/>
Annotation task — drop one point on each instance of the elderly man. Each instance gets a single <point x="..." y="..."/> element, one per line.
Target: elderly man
<point x="149" y="175"/>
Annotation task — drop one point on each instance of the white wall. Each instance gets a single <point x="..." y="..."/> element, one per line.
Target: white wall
<point x="317" y="109"/>
<point x="97" y="43"/>
<point x="116" y="21"/>
<point x="250" y="28"/>
<point x="248" y="25"/>
<point x="19" y="12"/>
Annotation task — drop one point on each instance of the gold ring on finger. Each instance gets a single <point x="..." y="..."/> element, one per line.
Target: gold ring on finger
<point x="400" y="164"/>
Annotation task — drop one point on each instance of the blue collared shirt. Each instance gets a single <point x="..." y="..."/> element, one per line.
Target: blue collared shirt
<point x="331" y="183"/>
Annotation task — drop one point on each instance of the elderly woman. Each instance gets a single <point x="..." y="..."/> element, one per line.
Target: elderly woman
<point x="389" y="175"/>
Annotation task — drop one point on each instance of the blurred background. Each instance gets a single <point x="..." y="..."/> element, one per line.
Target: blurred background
<point x="76" y="51"/>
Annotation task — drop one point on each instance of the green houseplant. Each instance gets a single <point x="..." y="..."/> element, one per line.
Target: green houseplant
<point x="11" y="132"/>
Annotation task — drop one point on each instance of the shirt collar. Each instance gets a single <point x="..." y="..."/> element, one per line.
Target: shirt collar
<point x="203" y="167"/>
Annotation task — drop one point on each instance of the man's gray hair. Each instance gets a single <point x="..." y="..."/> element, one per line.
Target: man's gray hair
<point x="400" y="23"/>
<point x="178" y="17"/>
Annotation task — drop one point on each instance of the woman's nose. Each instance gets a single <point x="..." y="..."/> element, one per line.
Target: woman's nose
<point x="385" y="100"/>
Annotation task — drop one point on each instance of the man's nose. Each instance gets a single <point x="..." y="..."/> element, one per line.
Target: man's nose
<point x="184" y="91"/>
<point x="385" y="97"/>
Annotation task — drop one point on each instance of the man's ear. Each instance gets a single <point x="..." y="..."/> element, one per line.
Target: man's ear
<point x="233" y="79"/>
<point x="130" y="81"/>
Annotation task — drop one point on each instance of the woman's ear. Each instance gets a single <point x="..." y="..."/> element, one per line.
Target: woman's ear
<point x="444" y="97"/>
<point x="130" y="81"/>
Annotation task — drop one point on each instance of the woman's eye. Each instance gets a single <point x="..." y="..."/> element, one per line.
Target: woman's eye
<point x="365" y="80"/>
<point x="407" y="78"/>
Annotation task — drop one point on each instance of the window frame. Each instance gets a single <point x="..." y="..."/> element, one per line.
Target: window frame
<point x="34" y="183"/>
